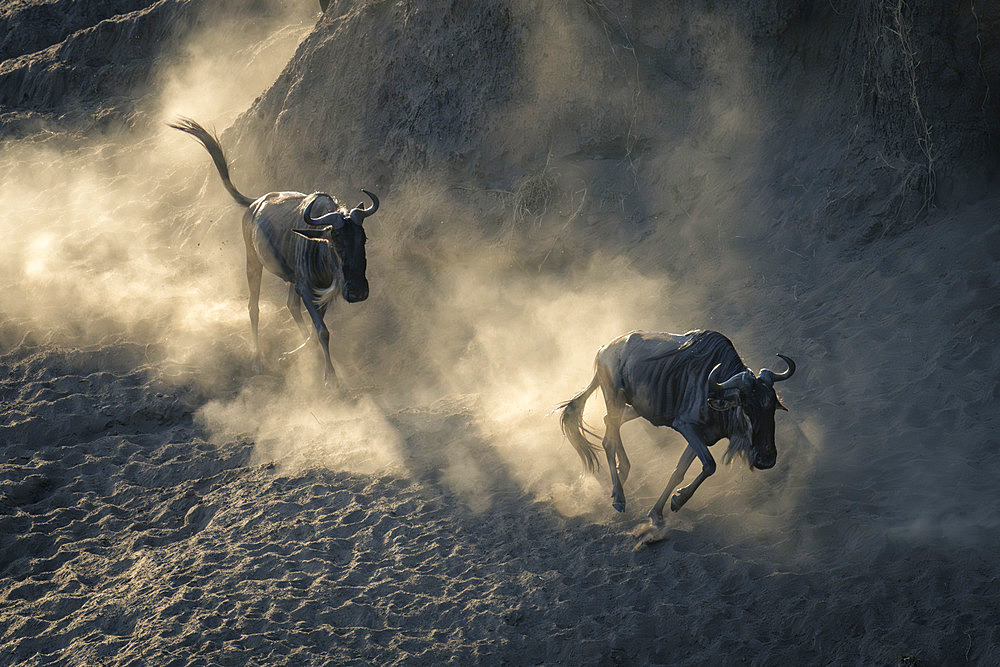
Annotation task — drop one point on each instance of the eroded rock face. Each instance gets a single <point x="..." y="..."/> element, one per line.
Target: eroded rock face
<point x="389" y="87"/>
<point x="91" y="64"/>
<point x="382" y="89"/>
<point x="81" y="61"/>
<point x="28" y="27"/>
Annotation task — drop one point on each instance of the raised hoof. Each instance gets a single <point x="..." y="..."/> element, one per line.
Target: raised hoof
<point x="619" y="505"/>
<point x="676" y="502"/>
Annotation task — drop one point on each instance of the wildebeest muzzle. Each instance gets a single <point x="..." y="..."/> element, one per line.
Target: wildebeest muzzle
<point x="764" y="462"/>
<point x="355" y="291"/>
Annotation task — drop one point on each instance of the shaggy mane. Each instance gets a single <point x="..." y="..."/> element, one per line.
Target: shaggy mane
<point x="740" y="438"/>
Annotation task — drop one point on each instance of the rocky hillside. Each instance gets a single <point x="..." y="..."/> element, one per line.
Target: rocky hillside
<point x="880" y="109"/>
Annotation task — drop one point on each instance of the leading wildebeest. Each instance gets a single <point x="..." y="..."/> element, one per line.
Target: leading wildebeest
<point x="674" y="380"/>
<point x="318" y="262"/>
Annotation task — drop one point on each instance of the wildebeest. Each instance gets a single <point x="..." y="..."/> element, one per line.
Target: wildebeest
<point x="674" y="380"/>
<point x="318" y="262"/>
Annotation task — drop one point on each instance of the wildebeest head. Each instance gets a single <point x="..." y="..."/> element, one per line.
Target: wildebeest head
<point x="346" y="236"/>
<point x="753" y="402"/>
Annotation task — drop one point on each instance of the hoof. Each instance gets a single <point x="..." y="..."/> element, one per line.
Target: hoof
<point x="619" y="505"/>
<point x="650" y="535"/>
<point x="655" y="519"/>
<point x="337" y="389"/>
<point x="653" y="525"/>
<point x="676" y="503"/>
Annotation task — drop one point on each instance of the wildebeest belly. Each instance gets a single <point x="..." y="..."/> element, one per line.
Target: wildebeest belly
<point x="651" y="405"/>
<point x="269" y="242"/>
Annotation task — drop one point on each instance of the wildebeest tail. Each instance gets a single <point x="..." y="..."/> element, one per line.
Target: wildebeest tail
<point x="211" y="144"/>
<point x="576" y="432"/>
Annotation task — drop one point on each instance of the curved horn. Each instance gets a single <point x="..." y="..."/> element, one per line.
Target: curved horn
<point x="335" y="218"/>
<point x="738" y="381"/>
<point x="712" y="384"/>
<point x="778" y="377"/>
<point x="359" y="214"/>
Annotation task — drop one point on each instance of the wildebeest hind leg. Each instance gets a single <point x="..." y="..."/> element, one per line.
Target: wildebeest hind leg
<point x="612" y="445"/>
<point x="623" y="463"/>
<point x="254" y="269"/>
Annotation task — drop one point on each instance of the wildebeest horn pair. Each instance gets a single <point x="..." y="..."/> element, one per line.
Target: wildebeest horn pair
<point x="744" y="379"/>
<point x="336" y="218"/>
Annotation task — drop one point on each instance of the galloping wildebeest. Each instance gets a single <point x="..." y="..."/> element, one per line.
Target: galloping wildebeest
<point x="318" y="262"/>
<point x="673" y="380"/>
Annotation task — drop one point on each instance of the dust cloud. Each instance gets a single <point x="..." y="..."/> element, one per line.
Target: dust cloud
<point x="488" y="302"/>
<point x="500" y="305"/>
<point x="106" y="235"/>
<point x="141" y="241"/>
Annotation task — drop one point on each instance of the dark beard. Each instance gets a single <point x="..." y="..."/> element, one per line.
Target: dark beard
<point x="740" y="440"/>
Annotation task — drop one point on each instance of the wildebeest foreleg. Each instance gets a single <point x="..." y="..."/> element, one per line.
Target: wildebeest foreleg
<point x="707" y="467"/>
<point x="294" y="304"/>
<point x="316" y="314"/>
<point x="687" y="456"/>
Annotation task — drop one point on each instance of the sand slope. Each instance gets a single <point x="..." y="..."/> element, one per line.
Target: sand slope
<point x="552" y="175"/>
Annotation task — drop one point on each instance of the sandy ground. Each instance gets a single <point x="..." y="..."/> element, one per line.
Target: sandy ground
<point x="160" y="504"/>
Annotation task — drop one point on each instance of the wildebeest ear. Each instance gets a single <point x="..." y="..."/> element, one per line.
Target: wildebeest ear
<point x="778" y="404"/>
<point x="321" y="234"/>
<point x="721" y="404"/>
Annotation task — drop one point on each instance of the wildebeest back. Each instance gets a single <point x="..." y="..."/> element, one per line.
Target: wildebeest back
<point x="665" y="376"/>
